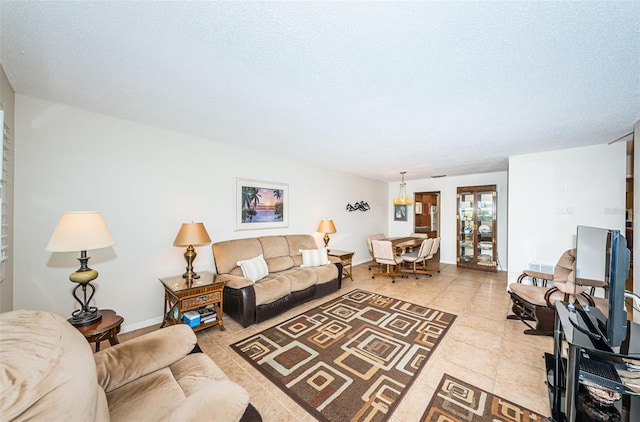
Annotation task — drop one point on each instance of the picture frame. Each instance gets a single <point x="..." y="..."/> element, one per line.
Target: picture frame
<point x="261" y="204"/>
<point x="418" y="208"/>
<point x="399" y="213"/>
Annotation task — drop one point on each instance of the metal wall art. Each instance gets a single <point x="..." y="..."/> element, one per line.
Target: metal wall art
<point x="358" y="206"/>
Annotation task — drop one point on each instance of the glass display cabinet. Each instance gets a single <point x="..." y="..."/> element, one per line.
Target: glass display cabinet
<point x="477" y="224"/>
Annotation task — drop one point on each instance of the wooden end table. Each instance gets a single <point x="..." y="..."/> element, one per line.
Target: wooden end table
<point x="105" y="329"/>
<point x="181" y="296"/>
<point x="346" y="258"/>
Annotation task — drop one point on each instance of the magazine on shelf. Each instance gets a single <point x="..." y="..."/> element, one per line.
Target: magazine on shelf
<point x="208" y="318"/>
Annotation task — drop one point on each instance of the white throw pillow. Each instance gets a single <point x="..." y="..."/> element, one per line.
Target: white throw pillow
<point x="314" y="257"/>
<point x="255" y="268"/>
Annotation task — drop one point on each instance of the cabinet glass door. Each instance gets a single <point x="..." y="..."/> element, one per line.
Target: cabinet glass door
<point x="466" y="236"/>
<point x="477" y="225"/>
<point x="485" y="232"/>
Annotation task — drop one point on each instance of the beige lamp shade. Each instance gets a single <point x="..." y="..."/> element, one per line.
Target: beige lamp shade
<point x="192" y="234"/>
<point x="80" y="231"/>
<point x="326" y="226"/>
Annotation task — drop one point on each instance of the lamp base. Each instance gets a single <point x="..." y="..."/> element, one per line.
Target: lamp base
<point x="189" y="255"/>
<point x="81" y="318"/>
<point x="87" y="314"/>
<point x="190" y="274"/>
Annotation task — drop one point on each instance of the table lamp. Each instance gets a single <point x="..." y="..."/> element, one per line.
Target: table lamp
<point x="326" y="226"/>
<point x="80" y="231"/>
<point x="190" y="235"/>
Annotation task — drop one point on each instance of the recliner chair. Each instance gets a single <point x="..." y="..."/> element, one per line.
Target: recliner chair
<point x="533" y="303"/>
<point x="49" y="373"/>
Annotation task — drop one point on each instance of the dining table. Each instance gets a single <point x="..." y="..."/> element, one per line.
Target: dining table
<point x="405" y="242"/>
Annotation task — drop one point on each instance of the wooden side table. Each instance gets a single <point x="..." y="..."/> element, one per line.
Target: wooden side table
<point x="105" y="329"/>
<point x="346" y="258"/>
<point x="181" y="296"/>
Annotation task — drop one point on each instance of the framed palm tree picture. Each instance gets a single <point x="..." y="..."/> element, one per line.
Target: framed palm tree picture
<point x="261" y="204"/>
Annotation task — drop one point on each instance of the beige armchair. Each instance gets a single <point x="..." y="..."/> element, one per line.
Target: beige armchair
<point x="49" y="373"/>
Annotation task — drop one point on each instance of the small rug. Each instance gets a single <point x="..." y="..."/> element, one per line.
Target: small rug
<point x="458" y="401"/>
<point x="350" y="359"/>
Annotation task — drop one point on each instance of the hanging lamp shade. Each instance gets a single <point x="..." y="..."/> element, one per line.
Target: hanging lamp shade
<point x="402" y="198"/>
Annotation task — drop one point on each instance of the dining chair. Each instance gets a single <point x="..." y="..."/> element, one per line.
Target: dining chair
<point x="384" y="254"/>
<point x="377" y="236"/>
<point x="417" y="258"/>
<point x="434" y="250"/>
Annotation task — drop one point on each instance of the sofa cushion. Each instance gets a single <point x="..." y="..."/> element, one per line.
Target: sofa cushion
<point x="326" y="273"/>
<point x="195" y="371"/>
<point x="227" y="399"/>
<point x="151" y="397"/>
<point x="276" y="253"/>
<point x="271" y="288"/>
<point x="255" y="268"/>
<point x="301" y="278"/>
<point x="314" y="257"/>
<point x="179" y="390"/>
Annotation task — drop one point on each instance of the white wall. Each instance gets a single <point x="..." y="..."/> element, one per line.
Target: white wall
<point x="146" y="182"/>
<point x="551" y="193"/>
<point x="447" y="186"/>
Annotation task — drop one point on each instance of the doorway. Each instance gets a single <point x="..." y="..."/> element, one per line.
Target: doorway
<point x="427" y="215"/>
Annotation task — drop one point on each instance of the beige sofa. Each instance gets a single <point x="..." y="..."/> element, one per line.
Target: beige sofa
<point x="288" y="280"/>
<point x="48" y="372"/>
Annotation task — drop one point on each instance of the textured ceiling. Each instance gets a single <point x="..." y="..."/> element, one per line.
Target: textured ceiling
<point x="371" y="88"/>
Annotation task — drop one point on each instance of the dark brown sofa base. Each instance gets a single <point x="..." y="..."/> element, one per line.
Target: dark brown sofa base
<point x="240" y="304"/>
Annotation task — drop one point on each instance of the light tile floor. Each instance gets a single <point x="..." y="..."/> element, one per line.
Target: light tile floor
<point x="482" y="346"/>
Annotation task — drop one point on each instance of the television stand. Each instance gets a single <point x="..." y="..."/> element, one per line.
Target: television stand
<point x="569" y="397"/>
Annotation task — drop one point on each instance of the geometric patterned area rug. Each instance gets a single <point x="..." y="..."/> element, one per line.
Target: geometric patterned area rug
<point x="457" y="401"/>
<point x="349" y="359"/>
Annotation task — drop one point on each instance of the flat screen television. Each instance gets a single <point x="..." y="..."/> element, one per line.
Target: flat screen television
<point x="602" y="255"/>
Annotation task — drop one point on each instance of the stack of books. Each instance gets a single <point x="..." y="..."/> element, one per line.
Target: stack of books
<point x="207" y="314"/>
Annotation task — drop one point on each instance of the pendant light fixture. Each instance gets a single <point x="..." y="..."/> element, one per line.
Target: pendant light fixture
<point x="402" y="198"/>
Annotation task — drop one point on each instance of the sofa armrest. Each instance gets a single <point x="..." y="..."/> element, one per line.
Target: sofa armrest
<point x="222" y="401"/>
<point x="237" y="281"/>
<point x="128" y="361"/>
